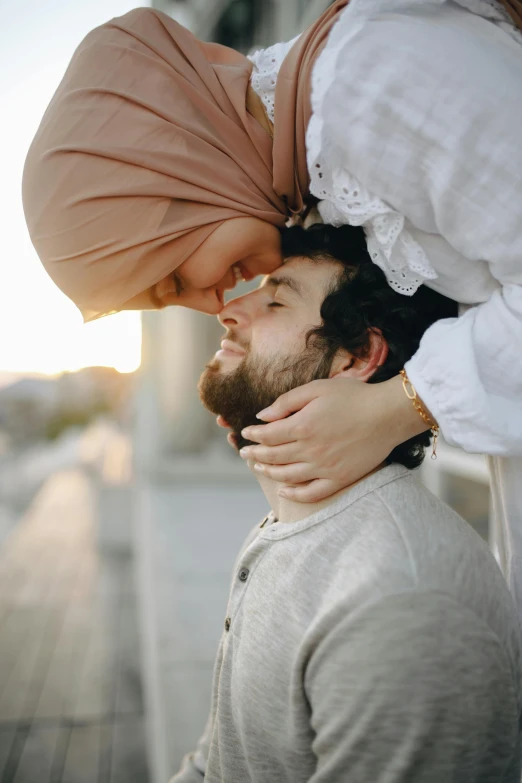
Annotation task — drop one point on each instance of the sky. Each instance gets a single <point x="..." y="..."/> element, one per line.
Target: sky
<point x="40" y="329"/>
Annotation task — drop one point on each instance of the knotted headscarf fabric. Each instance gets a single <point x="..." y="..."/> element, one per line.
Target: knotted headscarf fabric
<point x="145" y="148"/>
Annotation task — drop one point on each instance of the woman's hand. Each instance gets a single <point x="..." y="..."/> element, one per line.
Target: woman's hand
<point x="231" y="438"/>
<point x="341" y="429"/>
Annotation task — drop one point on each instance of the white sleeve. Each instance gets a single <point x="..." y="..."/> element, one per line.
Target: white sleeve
<point x="425" y="111"/>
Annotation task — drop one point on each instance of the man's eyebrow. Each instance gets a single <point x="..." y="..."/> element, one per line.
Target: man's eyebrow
<point x="278" y="280"/>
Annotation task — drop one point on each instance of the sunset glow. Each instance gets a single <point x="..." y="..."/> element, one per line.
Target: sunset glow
<point x="41" y="330"/>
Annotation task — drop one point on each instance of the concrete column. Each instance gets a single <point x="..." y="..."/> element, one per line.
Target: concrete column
<point x="200" y="16"/>
<point x="177" y="343"/>
<point x="313" y="10"/>
<point x="186" y="341"/>
<point x="286" y="18"/>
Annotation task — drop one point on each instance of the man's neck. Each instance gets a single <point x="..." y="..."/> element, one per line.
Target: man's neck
<point x="286" y="510"/>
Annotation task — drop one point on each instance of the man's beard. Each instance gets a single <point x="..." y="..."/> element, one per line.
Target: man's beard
<point x="239" y="395"/>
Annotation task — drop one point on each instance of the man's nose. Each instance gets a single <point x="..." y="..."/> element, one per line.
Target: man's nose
<point x="235" y="313"/>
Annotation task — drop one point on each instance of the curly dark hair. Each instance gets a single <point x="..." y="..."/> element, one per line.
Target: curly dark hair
<point x="363" y="301"/>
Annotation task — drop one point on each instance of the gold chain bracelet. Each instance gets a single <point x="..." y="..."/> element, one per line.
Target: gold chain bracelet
<point x="411" y="394"/>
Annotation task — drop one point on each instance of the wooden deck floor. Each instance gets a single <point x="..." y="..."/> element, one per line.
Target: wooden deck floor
<point x="70" y="697"/>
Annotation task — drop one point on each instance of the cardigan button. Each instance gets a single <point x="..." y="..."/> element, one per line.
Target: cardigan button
<point x="243" y="574"/>
<point x="227" y="624"/>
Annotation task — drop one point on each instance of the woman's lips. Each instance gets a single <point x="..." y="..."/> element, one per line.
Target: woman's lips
<point x="245" y="273"/>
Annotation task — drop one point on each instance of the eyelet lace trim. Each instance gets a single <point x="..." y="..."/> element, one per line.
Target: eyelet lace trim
<point x="342" y="198"/>
<point x="266" y="64"/>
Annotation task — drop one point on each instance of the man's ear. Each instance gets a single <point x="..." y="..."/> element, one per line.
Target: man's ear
<point x="346" y="365"/>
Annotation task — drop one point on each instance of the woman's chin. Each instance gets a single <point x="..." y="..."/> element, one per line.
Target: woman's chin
<point x="207" y="309"/>
<point x="208" y="302"/>
<point x="213" y="310"/>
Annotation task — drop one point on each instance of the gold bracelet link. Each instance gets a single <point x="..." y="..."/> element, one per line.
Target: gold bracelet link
<point x="411" y="394"/>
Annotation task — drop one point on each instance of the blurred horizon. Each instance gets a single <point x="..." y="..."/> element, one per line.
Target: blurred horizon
<point x="8" y="377"/>
<point x="43" y="331"/>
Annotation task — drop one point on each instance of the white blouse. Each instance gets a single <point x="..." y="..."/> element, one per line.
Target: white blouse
<point x="416" y="136"/>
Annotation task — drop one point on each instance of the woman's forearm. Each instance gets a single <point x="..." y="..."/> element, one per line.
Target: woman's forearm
<point x="397" y="412"/>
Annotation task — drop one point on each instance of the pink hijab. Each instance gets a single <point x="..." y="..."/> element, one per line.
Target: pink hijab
<point x="147" y="146"/>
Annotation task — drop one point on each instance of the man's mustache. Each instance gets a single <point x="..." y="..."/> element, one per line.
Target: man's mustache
<point x="232" y="336"/>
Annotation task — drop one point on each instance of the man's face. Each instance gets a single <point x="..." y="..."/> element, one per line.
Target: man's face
<point x="264" y="351"/>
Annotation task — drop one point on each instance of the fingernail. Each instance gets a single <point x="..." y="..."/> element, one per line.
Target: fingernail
<point x="244" y="452"/>
<point x="264" y="412"/>
<point x="258" y="467"/>
<point x="245" y="433"/>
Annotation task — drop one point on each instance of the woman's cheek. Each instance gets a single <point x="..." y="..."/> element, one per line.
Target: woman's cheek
<point x="204" y="273"/>
<point x="204" y="301"/>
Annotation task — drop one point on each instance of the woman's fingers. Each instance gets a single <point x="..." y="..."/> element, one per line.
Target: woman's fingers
<point x="272" y="455"/>
<point x="232" y="439"/>
<point x="316" y="490"/>
<point x="270" y="434"/>
<point x="292" y="401"/>
<point x="287" y="474"/>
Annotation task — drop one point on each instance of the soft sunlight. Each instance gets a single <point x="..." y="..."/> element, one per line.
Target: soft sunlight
<point x="41" y="329"/>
